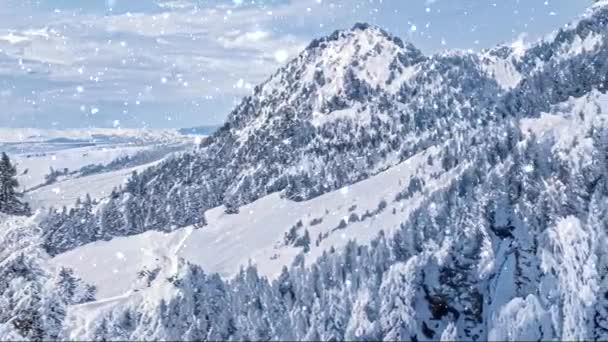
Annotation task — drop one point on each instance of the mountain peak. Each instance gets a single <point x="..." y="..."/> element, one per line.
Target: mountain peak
<point x="363" y="26"/>
<point x="364" y="50"/>
<point x="599" y="3"/>
<point x="342" y="70"/>
<point x="359" y="30"/>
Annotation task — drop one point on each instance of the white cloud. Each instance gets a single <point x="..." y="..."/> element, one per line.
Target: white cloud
<point x="121" y="58"/>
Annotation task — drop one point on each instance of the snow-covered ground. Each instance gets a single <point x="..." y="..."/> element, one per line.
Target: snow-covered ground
<point x="569" y="124"/>
<point x="66" y="192"/>
<point x="257" y="232"/>
<point x="35" y="152"/>
<point x="32" y="167"/>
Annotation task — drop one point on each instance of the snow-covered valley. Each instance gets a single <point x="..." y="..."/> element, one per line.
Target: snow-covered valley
<point x="85" y="162"/>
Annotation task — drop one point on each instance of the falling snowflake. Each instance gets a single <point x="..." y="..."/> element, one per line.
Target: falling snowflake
<point x="528" y="168"/>
<point x="281" y="56"/>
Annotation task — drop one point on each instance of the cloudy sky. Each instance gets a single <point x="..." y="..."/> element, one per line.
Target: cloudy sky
<point x="183" y="63"/>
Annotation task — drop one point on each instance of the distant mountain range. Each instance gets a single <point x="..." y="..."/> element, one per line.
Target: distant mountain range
<point x="200" y="130"/>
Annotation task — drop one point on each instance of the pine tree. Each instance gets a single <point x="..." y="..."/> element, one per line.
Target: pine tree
<point x="112" y="221"/>
<point x="9" y="201"/>
<point x="399" y="290"/>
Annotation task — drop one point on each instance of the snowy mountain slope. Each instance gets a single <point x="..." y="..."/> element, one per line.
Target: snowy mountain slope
<point x="34" y="296"/>
<point x="323" y="122"/>
<point x="58" y="167"/>
<point x="365" y="58"/>
<point x="512" y="249"/>
<point x="501" y="68"/>
<point x="258" y="233"/>
<point x="263" y="225"/>
<point x="569" y="125"/>
<point x="34" y="166"/>
<point x="36" y="150"/>
<point x="65" y="192"/>
<point x="292" y="136"/>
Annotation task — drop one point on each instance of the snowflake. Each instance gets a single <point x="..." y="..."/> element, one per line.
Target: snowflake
<point x="281" y="56"/>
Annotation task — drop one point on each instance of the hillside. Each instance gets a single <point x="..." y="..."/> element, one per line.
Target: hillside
<point x="510" y="245"/>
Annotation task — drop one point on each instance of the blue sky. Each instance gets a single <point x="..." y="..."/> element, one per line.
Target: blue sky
<point x="182" y="63"/>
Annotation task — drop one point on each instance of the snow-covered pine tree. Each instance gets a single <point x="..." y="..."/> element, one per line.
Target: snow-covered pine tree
<point x="9" y="197"/>
<point x="112" y="221"/>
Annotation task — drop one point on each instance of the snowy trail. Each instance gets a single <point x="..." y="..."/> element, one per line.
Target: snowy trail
<point x="170" y="264"/>
<point x="100" y="303"/>
<point x="82" y="317"/>
<point x="173" y="261"/>
<point x="66" y="192"/>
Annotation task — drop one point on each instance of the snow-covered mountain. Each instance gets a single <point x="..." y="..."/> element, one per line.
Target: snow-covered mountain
<point x="349" y="106"/>
<point x="363" y="192"/>
<point x="22" y="137"/>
